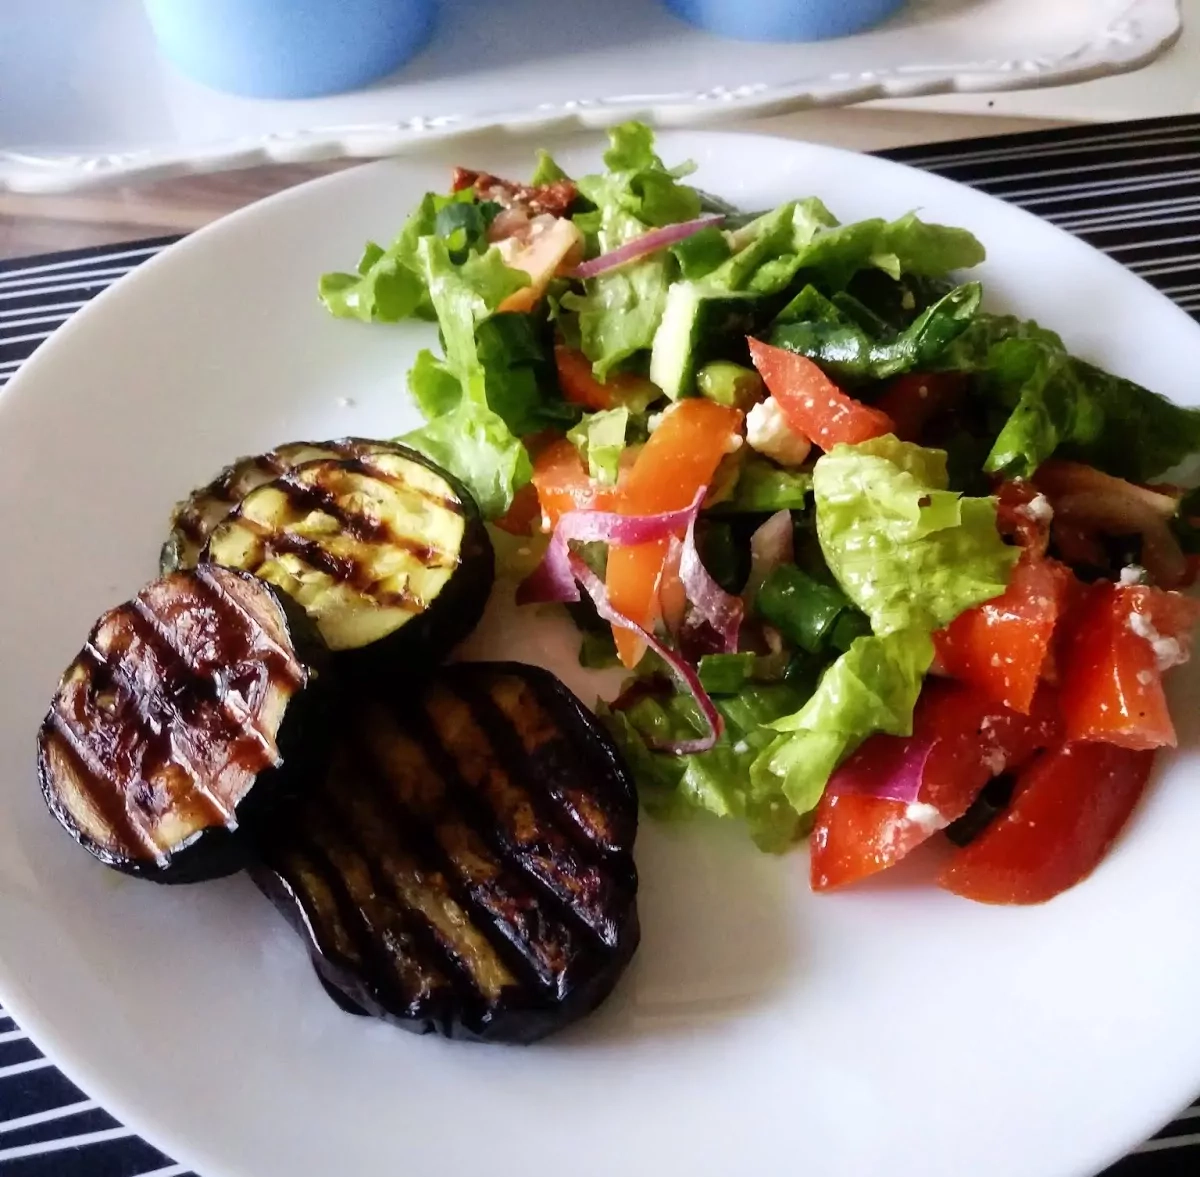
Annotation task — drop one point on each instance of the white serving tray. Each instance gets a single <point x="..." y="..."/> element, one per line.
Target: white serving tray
<point x="85" y="99"/>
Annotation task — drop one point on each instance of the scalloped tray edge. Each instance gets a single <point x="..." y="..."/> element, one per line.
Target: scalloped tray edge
<point x="1133" y="39"/>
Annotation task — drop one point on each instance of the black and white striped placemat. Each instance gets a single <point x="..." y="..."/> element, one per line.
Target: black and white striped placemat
<point x="1132" y="190"/>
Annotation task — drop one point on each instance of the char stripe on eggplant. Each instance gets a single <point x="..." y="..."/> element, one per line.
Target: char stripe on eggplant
<point x="440" y="881"/>
<point x="172" y="714"/>
<point x="194" y="519"/>
<point x="383" y="550"/>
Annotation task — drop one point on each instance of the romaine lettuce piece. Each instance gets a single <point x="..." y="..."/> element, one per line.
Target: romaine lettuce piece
<point x="873" y="687"/>
<point x="908" y="552"/>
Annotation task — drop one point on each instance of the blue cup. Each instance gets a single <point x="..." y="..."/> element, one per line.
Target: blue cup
<point x="784" y="20"/>
<point x="290" y="48"/>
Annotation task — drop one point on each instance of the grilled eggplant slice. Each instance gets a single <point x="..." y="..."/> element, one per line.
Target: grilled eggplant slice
<point x="192" y="710"/>
<point x="194" y="519"/>
<point x="386" y="552"/>
<point x="466" y="868"/>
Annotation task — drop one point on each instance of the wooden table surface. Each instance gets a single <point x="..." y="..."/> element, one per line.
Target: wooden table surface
<point x="42" y="224"/>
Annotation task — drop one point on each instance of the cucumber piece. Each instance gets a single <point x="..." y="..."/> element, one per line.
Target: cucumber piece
<point x="698" y="325"/>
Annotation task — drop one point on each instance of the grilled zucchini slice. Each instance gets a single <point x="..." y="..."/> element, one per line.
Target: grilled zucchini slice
<point x="467" y="866"/>
<point x="194" y="519"/>
<point x="191" y="711"/>
<point x="386" y="552"/>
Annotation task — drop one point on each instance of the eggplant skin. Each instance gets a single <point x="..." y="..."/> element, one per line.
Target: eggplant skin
<point x="208" y="669"/>
<point x="466" y="866"/>
<point x="387" y="551"/>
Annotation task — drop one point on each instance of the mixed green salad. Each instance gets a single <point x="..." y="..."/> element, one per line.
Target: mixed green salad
<point x="852" y="535"/>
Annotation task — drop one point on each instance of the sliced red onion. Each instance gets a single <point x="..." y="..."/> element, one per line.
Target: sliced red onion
<point x="771" y="545"/>
<point x="686" y="676"/>
<point x="720" y="609"/>
<point x="893" y="773"/>
<point x="551" y="580"/>
<point x="647" y="243"/>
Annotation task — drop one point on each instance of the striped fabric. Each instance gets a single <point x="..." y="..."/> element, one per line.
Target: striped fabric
<point x="1132" y="190"/>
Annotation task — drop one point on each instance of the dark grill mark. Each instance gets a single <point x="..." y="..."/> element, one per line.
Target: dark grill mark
<point x="470" y="747"/>
<point x="149" y="720"/>
<point x="190" y="519"/>
<point x="363" y="464"/>
<point x="343" y="569"/>
<point x="308" y="497"/>
<point x="407" y="808"/>
<point x="385" y="848"/>
<point x="453" y="839"/>
<point x="109" y="798"/>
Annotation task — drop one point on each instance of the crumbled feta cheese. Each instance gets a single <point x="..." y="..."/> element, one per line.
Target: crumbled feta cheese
<point x="768" y="432"/>
<point x="1132" y="574"/>
<point x="733" y="443"/>
<point x="1167" y="651"/>
<point x="928" y="817"/>
<point x="741" y="747"/>
<point x="1038" y="509"/>
<point x="1145" y="677"/>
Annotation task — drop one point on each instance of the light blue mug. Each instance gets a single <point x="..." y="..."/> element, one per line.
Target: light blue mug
<point x="784" y="20"/>
<point x="290" y="48"/>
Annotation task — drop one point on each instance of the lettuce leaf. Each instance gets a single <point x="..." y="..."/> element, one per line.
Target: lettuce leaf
<point x="466" y="435"/>
<point x="803" y="236"/>
<point x="600" y="439"/>
<point x="873" y="687"/>
<point x="619" y="311"/>
<point x="908" y="552"/>
<point x="1058" y="403"/>
<point x="1062" y="404"/>
<point x="389" y="284"/>
<point x="547" y="170"/>
<point x="822" y="330"/>
<point x="718" y="781"/>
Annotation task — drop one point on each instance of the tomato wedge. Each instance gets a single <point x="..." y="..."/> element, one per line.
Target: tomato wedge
<point x="1118" y="643"/>
<point x="581" y="387"/>
<point x="1068" y="807"/>
<point x="812" y="404"/>
<point x="913" y="400"/>
<point x="680" y="457"/>
<point x="971" y="740"/>
<point x="1001" y="646"/>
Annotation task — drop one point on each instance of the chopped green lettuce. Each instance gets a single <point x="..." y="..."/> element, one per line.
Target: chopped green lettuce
<point x="907" y="551"/>
<point x="873" y="687"/>
<point x="389" y="284"/>
<point x="911" y="556"/>
<point x="547" y="170"/>
<point x="803" y="236"/>
<point x="600" y="439"/>
<point x="814" y="326"/>
<point x="1057" y="403"/>
<point x="1062" y="404"/>
<point x="619" y="311"/>
<point x="718" y="781"/>
<point x="465" y="435"/>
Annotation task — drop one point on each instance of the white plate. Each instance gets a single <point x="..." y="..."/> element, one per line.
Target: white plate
<point x="84" y="97"/>
<point x="895" y="1029"/>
